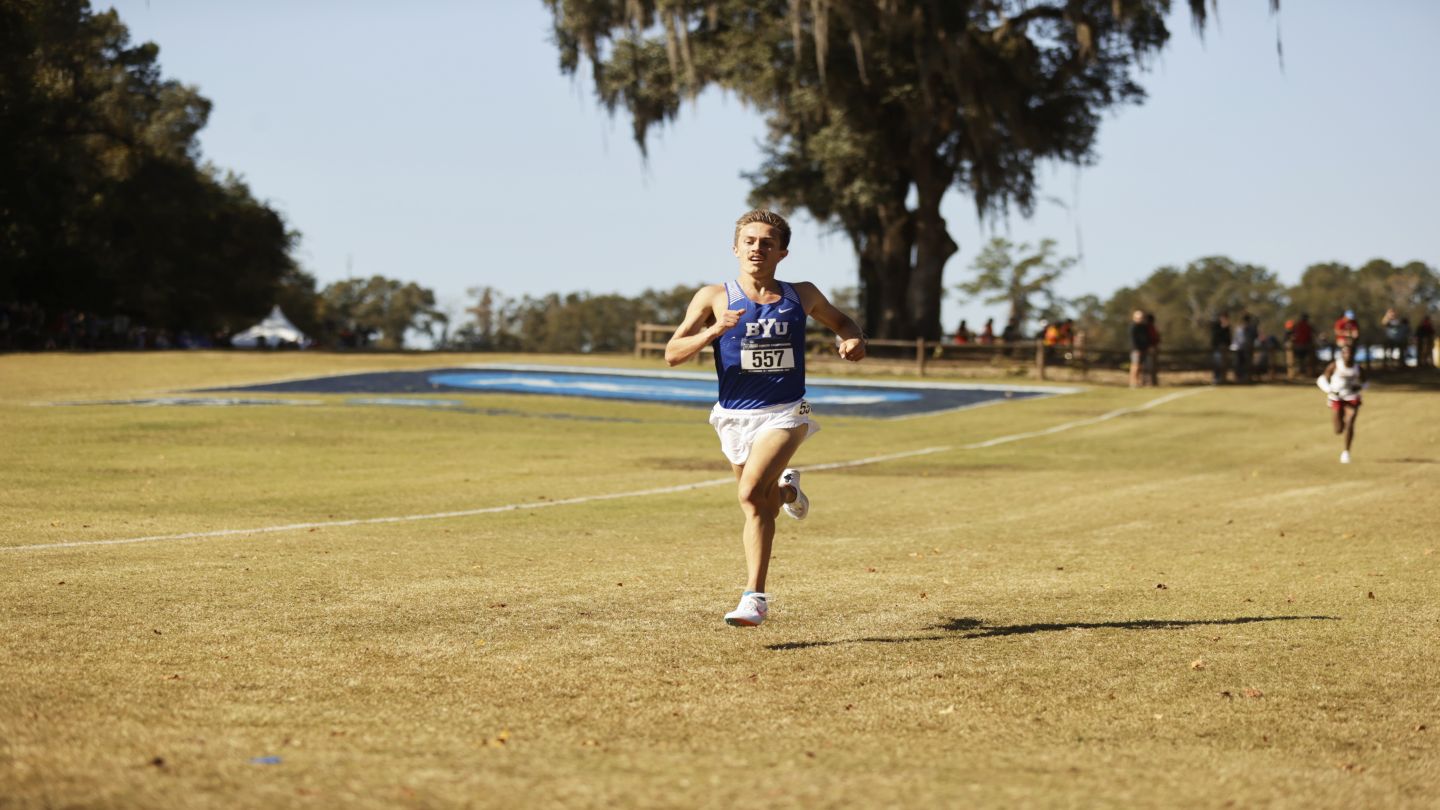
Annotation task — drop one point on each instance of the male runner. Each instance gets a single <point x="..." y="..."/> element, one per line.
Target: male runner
<point x="1342" y="382"/>
<point x="757" y="327"/>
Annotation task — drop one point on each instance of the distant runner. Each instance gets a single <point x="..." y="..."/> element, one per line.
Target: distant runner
<point x="1341" y="382"/>
<point x="756" y="325"/>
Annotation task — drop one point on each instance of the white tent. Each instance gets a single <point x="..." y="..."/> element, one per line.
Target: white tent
<point x="274" y="329"/>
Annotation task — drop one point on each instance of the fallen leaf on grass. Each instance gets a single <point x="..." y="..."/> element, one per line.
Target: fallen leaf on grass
<point x="1370" y="595"/>
<point x="1429" y="551"/>
<point x="950" y="710"/>
<point x="619" y="584"/>
<point x="478" y="567"/>
<point x="1252" y="693"/>
<point x="1162" y="586"/>
<point x="1289" y="599"/>
<point x="1225" y="694"/>
<point x="337" y="734"/>
<point x="589" y="742"/>
<point x="1347" y="535"/>
<point x="810" y="754"/>
<point x="158" y="633"/>
<point x="172" y="678"/>
<point x="500" y="740"/>
<point x="1247" y="600"/>
<point x="848" y="707"/>
<point x="754" y="677"/>
<point x="479" y="642"/>
<point x="1350" y="766"/>
<point x="914" y="555"/>
<point x="1198" y="663"/>
<point x="922" y="595"/>
<point x="1420" y="728"/>
<point x="946" y="581"/>
<point x="871" y="570"/>
<point x="1214" y="638"/>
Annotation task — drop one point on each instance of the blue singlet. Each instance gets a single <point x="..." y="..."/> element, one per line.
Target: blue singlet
<point x="761" y="361"/>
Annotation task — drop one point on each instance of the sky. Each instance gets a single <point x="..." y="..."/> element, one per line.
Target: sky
<point x="438" y="142"/>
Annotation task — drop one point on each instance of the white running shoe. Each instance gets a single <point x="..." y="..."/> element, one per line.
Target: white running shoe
<point x="751" y="612"/>
<point x="1345" y="457"/>
<point x="801" y="505"/>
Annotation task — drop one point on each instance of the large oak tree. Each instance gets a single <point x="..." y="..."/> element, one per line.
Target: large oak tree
<point x="878" y="108"/>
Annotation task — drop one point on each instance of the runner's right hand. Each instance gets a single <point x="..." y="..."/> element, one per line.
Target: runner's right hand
<point x="728" y="321"/>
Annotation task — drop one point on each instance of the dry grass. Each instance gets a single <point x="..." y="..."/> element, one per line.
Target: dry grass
<point x="1011" y="647"/>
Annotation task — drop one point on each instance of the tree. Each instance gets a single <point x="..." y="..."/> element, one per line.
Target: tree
<point x="574" y="322"/>
<point x="871" y="101"/>
<point x="1185" y="302"/>
<point x="1010" y="281"/>
<point x="104" y="204"/>
<point x="381" y="305"/>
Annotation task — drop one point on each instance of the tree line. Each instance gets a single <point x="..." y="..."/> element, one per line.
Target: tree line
<point x="105" y="202"/>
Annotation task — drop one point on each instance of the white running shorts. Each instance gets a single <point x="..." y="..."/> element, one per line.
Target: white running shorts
<point x="738" y="429"/>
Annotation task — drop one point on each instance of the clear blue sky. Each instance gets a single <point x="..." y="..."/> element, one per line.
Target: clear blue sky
<point x="438" y="142"/>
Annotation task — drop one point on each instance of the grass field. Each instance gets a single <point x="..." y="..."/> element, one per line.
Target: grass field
<point x="976" y="628"/>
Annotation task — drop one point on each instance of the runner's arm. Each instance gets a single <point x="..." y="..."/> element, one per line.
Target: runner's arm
<point x="817" y="306"/>
<point x="1324" y="380"/>
<point x="704" y="321"/>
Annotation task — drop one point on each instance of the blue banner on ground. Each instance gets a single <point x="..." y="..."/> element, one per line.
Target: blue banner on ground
<point x="839" y="397"/>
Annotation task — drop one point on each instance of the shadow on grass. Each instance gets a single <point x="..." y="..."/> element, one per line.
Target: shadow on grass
<point x="956" y="627"/>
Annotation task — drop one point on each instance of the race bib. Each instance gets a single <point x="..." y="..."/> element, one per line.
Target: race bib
<point x="766" y="356"/>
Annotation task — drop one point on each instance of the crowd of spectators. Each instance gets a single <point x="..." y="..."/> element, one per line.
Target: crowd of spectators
<point x="29" y="328"/>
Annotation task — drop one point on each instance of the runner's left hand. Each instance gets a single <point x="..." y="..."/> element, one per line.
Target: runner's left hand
<point x="852" y="349"/>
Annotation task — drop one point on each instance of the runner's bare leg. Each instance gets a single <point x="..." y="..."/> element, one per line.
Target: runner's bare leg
<point x="761" y="496"/>
<point x="1350" y="424"/>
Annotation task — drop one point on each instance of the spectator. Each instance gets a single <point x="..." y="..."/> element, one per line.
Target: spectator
<point x="1242" y="344"/>
<point x="1139" y="347"/>
<point x="1219" y="342"/>
<point x="1152" y="357"/>
<point x="1012" y="332"/>
<point x="1425" y="343"/>
<point x="1347" y="329"/>
<point x="1268" y="345"/>
<point x="987" y="335"/>
<point x="1303" y="339"/>
<point x="1397" y="337"/>
<point x="963" y="334"/>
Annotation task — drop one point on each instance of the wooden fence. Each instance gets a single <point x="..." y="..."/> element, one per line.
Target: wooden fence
<point x="1263" y="363"/>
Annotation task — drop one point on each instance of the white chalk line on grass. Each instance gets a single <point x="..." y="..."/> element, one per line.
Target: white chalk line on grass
<point x="661" y="491"/>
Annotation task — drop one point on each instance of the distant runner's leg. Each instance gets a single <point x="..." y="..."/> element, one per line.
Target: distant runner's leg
<point x="1339" y="412"/>
<point x="761" y="496"/>
<point x="1350" y="425"/>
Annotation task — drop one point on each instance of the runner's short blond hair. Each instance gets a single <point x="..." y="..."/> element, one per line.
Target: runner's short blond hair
<point x="770" y="218"/>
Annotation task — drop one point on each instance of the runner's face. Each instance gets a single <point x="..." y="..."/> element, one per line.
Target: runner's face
<point x="758" y="249"/>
